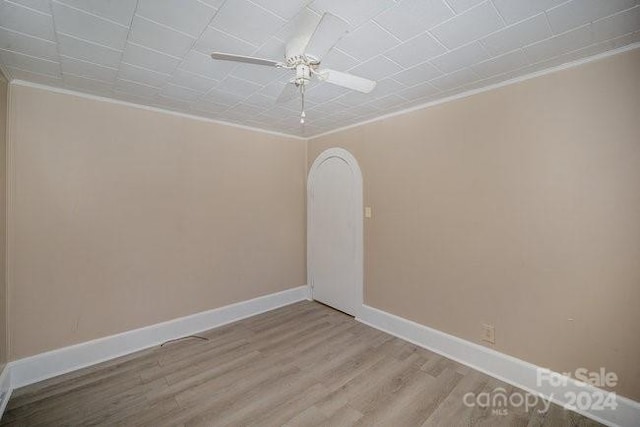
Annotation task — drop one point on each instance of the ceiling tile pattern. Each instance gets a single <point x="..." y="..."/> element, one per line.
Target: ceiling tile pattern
<point x="156" y="52"/>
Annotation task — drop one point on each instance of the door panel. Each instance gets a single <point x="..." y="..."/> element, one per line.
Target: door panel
<point x="334" y="263"/>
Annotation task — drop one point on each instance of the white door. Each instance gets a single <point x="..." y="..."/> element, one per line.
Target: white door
<point x="334" y="236"/>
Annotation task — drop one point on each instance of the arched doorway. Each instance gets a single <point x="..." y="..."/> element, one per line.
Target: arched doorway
<point x="334" y="230"/>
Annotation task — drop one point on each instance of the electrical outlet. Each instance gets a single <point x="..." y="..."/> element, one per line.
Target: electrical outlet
<point x="367" y="212"/>
<point x="488" y="333"/>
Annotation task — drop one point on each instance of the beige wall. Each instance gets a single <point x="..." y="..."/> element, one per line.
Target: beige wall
<point x="3" y="206"/>
<point x="124" y="217"/>
<point x="518" y="207"/>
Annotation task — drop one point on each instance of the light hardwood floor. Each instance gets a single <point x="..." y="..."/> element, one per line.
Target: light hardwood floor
<point x="301" y="365"/>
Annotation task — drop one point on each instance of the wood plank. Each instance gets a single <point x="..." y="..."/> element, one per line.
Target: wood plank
<point x="303" y="364"/>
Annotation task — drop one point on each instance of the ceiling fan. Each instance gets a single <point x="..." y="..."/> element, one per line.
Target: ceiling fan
<point x="313" y="37"/>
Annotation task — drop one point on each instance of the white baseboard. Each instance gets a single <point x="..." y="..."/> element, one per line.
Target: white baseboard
<point x="57" y="362"/>
<point x="5" y="388"/>
<point x="498" y="365"/>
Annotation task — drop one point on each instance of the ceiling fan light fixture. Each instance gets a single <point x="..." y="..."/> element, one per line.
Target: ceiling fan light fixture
<point x="303" y="74"/>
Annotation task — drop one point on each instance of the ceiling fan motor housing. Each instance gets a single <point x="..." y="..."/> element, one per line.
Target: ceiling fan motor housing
<point x="303" y="74"/>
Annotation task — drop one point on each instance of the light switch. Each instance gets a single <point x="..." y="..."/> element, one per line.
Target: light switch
<point x="367" y="212"/>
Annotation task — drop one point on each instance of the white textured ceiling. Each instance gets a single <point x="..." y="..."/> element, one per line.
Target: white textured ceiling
<point x="155" y="52"/>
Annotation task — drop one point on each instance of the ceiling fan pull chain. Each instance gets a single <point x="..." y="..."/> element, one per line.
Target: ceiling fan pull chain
<point x="302" y="114"/>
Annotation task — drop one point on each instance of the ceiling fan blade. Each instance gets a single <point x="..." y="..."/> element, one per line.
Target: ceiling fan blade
<point x="289" y="92"/>
<point x="246" y="59"/>
<point x="328" y="32"/>
<point x="303" y="27"/>
<point x="346" y="80"/>
<point x="314" y="35"/>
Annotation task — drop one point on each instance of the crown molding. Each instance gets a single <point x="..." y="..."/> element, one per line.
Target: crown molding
<point x="24" y="83"/>
<point x="488" y="88"/>
<point x="426" y="105"/>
